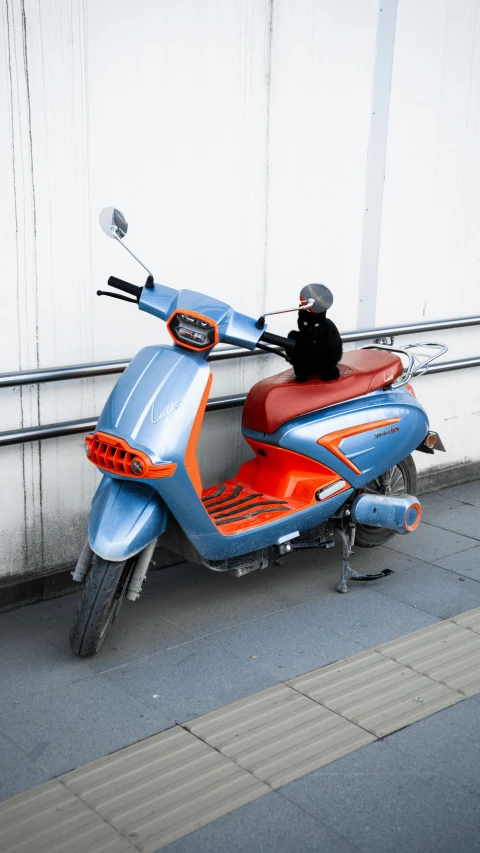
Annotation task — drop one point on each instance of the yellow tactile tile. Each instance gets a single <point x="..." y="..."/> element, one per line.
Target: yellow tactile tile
<point x="279" y="735"/>
<point x="445" y="652"/>
<point x="163" y="788"/>
<point x="470" y="619"/>
<point x="375" y="692"/>
<point x="50" y="819"/>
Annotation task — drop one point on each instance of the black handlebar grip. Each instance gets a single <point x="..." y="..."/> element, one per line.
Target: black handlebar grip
<point x="126" y="286"/>
<point x="286" y="343"/>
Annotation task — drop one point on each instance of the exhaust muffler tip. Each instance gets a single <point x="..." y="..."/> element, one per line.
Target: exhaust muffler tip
<point x="399" y="513"/>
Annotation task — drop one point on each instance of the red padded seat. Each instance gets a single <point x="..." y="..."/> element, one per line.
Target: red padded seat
<point x="273" y="401"/>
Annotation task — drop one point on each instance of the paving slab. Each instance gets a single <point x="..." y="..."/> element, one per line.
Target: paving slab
<point x="50" y="819"/>
<point x="10" y="629"/>
<point x="18" y="771"/>
<point x="466" y="563"/>
<point x="136" y="635"/>
<point x="163" y="788"/>
<point x="467" y="492"/>
<point x="32" y="665"/>
<point x="447" y="742"/>
<point x="434" y="590"/>
<point x="190" y="680"/>
<point x="435" y="502"/>
<point x="64" y="727"/>
<point x="220" y="601"/>
<point x="374" y="560"/>
<point x="365" y="615"/>
<point x="269" y="825"/>
<point x="428" y="543"/>
<point x="464" y="519"/>
<point x="375" y="692"/>
<point x="278" y="734"/>
<point x="217" y="601"/>
<point x="393" y="806"/>
<point x="285" y="643"/>
<point x="53" y="610"/>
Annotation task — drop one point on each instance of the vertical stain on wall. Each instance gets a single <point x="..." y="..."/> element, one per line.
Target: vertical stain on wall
<point x="268" y="87"/>
<point x="8" y="27"/>
<point x="35" y="266"/>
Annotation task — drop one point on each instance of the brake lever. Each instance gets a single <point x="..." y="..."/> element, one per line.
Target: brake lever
<point x="116" y="296"/>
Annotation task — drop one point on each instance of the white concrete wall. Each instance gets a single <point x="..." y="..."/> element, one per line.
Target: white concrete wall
<point x="429" y="265"/>
<point x="235" y="136"/>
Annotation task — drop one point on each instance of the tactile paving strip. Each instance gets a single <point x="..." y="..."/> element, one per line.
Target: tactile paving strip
<point x="471" y="620"/>
<point x="163" y="788"/>
<point x="444" y="652"/>
<point x="154" y="792"/>
<point x="375" y="692"/>
<point x="279" y="735"/>
<point x="49" y="819"/>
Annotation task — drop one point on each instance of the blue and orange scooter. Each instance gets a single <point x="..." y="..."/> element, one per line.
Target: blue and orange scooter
<point x="327" y="456"/>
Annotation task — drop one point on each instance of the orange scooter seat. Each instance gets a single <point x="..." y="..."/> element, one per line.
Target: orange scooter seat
<point x="276" y="400"/>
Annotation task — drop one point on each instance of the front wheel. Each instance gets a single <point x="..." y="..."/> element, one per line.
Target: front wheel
<point x="101" y="600"/>
<point x="403" y="482"/>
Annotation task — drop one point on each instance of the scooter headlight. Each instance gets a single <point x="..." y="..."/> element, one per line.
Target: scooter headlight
<point x="192" y="331"/>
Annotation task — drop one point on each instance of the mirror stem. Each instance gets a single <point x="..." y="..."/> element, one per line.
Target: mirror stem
<point x="133" y="255"/>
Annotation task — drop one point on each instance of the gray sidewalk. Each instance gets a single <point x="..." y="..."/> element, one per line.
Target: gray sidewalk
<point x="197" y="640"/>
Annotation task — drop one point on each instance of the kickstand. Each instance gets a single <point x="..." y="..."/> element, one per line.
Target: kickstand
<point x="347" y="572"/>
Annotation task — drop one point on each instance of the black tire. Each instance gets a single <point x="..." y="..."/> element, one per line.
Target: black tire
<point x="404" y="482"/>
<point x="101" y="600"/>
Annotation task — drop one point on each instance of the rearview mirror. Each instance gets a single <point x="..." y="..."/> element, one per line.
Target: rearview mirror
<point x="321" y="295"/>
<point x="113" y="223"/>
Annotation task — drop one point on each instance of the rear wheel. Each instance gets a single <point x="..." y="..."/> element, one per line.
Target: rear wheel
<point x="403" y="482"/>
<point x="101" y="600"/>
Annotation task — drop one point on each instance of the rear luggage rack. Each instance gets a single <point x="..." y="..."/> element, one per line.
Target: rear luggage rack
<point x="417" y="363"/>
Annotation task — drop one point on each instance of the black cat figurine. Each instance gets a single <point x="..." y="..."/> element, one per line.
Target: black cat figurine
<point x="318" y="345"/>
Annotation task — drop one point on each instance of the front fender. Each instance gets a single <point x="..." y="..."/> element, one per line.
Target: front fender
<point x="125" y="517"/>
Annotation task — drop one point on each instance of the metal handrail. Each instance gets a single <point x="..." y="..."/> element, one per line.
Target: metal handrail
<point x="39" y="433"/>
<point x="104" y="368"/>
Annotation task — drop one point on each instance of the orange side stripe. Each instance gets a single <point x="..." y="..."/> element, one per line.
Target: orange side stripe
<point x="332" y="441"/>
<point x="191" y="463"/>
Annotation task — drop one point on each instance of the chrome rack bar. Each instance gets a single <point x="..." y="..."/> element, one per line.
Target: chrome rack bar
<point x="39" y="433"/>
<point x="104" y="368"/>
<point x="410" y="328"/>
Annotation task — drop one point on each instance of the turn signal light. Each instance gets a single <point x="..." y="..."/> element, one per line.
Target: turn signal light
<point x="431" y="440"/>
<point x="116" y="456"/>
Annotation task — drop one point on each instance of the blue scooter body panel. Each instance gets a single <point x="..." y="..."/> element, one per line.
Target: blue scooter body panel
<point x="125" y="517"/>
<point x="154" y="406"/>
<point x="233" y="327"/>
<point x="373" y="451"/>
<point x="155" y="402"/>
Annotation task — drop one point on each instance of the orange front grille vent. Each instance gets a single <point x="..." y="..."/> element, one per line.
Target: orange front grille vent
<point x="114" y="454"/>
